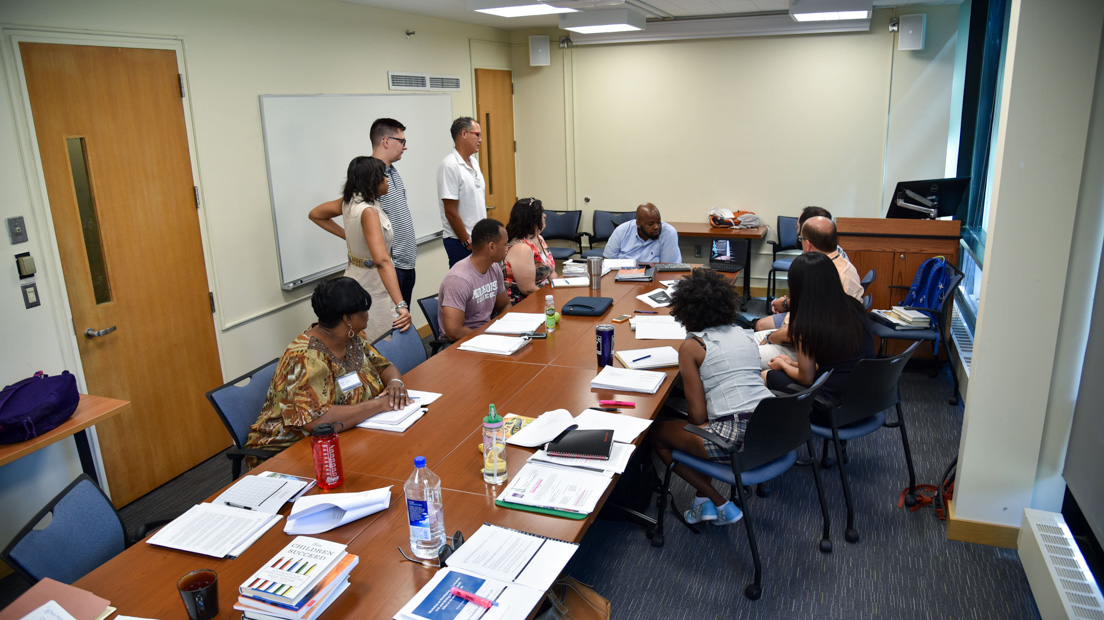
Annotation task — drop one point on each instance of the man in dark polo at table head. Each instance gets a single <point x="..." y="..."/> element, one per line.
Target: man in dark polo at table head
<point x="474" y="290"/>
<point x="648" y="239"/>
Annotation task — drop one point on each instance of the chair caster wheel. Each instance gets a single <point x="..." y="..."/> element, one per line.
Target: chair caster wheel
<point x="827" y="463"/>
<point x="762" y="490"/>
<point x="910" y="500"/>
<point x="753" y="592"/>
<point x="825" y="545"/>
<point x="851" y="535"/>
<point x="657" y="540"/>
<point x="953" y="401"/>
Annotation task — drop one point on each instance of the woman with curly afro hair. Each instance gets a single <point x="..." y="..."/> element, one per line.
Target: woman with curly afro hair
<point x="719" y="363"/>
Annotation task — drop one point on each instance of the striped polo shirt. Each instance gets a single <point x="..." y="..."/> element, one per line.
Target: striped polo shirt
<point x="404" y="246"/>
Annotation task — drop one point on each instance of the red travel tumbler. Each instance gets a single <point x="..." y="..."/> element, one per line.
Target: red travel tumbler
<point x="327" y="456"/>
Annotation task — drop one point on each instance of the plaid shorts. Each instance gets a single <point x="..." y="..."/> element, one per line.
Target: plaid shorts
<point x="729" y="428"/>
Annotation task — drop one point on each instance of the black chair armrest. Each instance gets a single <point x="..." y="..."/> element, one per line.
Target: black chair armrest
<point x="726" y="447"/>
<point x="437" y="344"/>
<point x="774" y="243"/>
<point x="145" y="528"/>
<point x="239" y="453"/>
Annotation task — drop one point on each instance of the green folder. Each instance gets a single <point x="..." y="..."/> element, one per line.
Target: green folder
<point x="543" y="511"/>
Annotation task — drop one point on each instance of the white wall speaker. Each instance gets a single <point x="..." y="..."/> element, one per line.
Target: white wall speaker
<point x="911" y="36"/>
<point x="539" y="54"/>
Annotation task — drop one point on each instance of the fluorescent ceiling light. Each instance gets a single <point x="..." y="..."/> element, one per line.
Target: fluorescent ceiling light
<point x="830" y="10"/>
<point x="611" y="20"/>
<point x="515" y="8"/>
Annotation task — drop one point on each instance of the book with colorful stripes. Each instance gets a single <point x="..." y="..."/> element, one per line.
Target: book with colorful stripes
<point x="289" y="576"/>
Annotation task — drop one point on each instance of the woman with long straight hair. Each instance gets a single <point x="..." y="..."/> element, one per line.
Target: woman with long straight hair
<point x="368" y="235"/>
<point x="830" y="330"/>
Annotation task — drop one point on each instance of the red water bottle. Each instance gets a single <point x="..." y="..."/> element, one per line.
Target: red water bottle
<point x="327" y="456"/>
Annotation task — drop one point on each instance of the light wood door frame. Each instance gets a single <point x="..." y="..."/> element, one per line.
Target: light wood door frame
<point x="53" y="287"/>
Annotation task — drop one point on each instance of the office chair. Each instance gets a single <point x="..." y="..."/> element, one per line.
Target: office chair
<point x="404" y="350"/>
<point x="868" y="301"/>
<point x="870" y="390"/>
<point x="563" y="225"/>
<point x="603" y="223"/>
<point x="868" y="279"/>
<point x="429" y="311"/>
<point x="83" y="532"/>
<point x="933" y="334"/>
<point x="238" y="407"/>
<point x="787" y="240"/>
<point x="774" y="432"/>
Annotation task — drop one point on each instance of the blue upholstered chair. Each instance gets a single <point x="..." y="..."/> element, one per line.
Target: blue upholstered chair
<point x="238" y="403"/>
<point x="428" y="306"/>
<point x="777" y="428"/>
<point x="84" y="531"/>
<point x="405" y="349"/>
<point x="868" y="279"/>
<point x="870" y="390"/>
<point x="562" y="225"/>
<point x="787" y="240"/>
<point x="603" y="223"/>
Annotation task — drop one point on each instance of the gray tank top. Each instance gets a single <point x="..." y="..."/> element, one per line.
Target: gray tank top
<point x="730" y="371"/>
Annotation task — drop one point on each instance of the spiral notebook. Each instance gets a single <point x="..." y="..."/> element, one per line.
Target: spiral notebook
<point x="590" y="444"/>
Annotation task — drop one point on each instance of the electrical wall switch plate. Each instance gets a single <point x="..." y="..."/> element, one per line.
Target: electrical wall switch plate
<point x="17" y="230"/>
<point x="30" y="295"/>
<point x="25" y="264"/>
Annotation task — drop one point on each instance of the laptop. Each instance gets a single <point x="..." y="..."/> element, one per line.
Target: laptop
<point x="723" y="256"/>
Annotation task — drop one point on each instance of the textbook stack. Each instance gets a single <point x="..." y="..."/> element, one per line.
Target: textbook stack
<point x="299" y="583"/>
<point x="912" y="317"/>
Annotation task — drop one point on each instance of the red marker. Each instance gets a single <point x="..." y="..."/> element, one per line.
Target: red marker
<point x="485" y="603"/>
<point x="617" y="403"/>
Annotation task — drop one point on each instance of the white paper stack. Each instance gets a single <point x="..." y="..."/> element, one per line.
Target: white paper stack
<point x="638" y="319"/>
<point x="617" y="263"/>
<point x="498" y="345"/>
<point x="660" y="331"/>
<point x="516" y="323"/>
<point x="401" y="419"/>
<point x="657" y="357"/>
<point x="625" y="380"/>
<point x="216" y="530"/>
<point x="618" y="460"/>
<point x="570" y="282"/>
<point x="625" y="428"/>
<point x="572" y="268"/>
<point x="315" y="514"/>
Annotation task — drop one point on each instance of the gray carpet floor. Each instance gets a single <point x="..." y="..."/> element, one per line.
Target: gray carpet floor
<point x="902" y="567"/>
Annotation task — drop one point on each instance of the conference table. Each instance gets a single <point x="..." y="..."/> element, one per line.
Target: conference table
<point x="546" y="374"/>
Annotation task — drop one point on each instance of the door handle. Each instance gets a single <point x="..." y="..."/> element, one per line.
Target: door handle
<point x="92" y="333"/>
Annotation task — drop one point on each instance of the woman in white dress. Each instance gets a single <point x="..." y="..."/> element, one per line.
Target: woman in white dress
<point x="370" y="251"/>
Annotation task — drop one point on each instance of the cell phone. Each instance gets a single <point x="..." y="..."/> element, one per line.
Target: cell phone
<point x="622" y="318"/>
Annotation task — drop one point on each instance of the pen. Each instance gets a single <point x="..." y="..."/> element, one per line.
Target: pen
<point x="617" y="403"/>
<point x="645" y="312"/>
<point x="609" y="409"/>
<point x="485" y="603"/>
<point x="237" y="506"/>
<point x="641" y="358"/>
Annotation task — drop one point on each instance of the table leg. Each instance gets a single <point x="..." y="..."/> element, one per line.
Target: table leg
<point x="84" y="451"/>
<point x="747" y="274"/>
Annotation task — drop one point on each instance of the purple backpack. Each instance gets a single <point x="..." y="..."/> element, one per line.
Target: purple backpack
<point x="36" y="405"/>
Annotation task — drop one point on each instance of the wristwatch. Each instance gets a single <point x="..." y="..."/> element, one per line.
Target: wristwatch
<point x="402" y="305"/>
<point x="786" y="303"/>
<point x="466" y="244"/>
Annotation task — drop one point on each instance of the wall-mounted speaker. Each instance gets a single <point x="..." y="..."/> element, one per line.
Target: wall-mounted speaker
<point x="539" y="55"/>
<point x="910" y="38"/>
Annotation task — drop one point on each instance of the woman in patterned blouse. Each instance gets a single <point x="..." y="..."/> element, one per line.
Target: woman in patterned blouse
<point x="529" y="264"/>
<point x="329" y="373"/>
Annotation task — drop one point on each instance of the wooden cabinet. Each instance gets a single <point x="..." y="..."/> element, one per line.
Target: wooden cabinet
<point x="895" y="248"/>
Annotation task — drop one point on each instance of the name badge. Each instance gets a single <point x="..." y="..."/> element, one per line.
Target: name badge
<point x="348" y="382"/>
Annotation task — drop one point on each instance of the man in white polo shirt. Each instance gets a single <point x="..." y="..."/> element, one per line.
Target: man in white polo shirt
<point x="460" y="189"/>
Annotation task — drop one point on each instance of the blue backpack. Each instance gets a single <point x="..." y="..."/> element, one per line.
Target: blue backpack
<point x="929" y="289"/>
<point x="36" y="405"/>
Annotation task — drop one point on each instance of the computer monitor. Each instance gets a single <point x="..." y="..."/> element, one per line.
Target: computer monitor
<point x="923" y="200"/>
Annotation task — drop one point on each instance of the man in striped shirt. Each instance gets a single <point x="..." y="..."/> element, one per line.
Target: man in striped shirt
<point x="388" y="143"/>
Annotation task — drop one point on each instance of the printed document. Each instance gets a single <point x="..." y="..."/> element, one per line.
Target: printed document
<point x="213" y="529"/>
<point x="625" y="427"/>
<point x="261" y="493"/>
<point x="516" y="323"/>
<point x="513" y="556"/>
<point x="572" y="490"/>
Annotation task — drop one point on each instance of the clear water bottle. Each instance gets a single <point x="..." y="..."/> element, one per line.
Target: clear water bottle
<point x="425" y="511"/>
<point x="494" y="448"/>
<point x="549" y="314"/>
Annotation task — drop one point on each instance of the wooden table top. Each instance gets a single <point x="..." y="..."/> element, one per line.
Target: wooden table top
<point x="703" y="229"/>
<point x="546" y="374"/>
<point x="91" y="410"/>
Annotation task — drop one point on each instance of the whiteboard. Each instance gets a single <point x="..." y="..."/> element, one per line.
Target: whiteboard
<point x="309" y="142"/>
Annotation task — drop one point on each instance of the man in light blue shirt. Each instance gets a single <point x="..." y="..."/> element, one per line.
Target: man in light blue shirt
<point x="648" y="239"/>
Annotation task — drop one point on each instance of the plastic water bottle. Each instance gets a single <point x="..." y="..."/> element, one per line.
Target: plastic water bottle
<point x="549" y="314"/>
<point x="425" y="511"/>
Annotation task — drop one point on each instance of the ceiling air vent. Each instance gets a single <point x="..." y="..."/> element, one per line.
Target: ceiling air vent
<point x="405" y="80"/>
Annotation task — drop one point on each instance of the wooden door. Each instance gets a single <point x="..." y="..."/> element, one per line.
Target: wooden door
<point x="110" y="130"/>
<point x="494" y="106"/>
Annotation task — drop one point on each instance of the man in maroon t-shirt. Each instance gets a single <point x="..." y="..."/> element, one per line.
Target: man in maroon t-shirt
<point x="474" y="290"/>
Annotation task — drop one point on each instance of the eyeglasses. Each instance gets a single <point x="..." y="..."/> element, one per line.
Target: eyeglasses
<point x="443" y="553"/>
<point x="399" y="140"/>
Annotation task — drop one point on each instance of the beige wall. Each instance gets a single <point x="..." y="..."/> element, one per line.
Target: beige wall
<point x="233" y="52"/>
<point x="767" y="124"/>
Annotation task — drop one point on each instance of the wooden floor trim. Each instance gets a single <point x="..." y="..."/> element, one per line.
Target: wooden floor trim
<point x="979" y="532"/>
